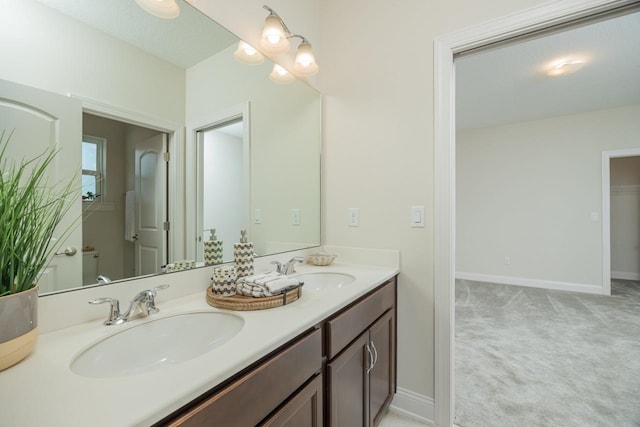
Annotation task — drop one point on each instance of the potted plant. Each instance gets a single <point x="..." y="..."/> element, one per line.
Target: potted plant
<point x="31" y="208"/>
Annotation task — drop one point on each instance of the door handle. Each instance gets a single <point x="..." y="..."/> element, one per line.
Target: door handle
<point x="134" y="237"/>
<point x="371" y="362"/>
<point x="375" y="354"/>
<point x="69" y="251"/>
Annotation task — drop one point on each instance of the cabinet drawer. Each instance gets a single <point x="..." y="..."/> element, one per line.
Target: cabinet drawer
<point x="346" y="326"/>
<point x="249" y="399"/>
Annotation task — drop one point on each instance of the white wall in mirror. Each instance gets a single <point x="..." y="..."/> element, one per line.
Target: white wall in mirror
<point x="284" y="128"/>
<point x="110" y="77"/>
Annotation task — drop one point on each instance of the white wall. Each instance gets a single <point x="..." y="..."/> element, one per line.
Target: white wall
<point x="284" y="142"/>
<point x="223" y="189"/>
<point x="48" y="50"/>
<point x="527" y="191"/>
<point x="625" y="217"/>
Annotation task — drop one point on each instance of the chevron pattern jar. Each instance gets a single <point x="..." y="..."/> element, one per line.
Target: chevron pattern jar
<point x="243" y="258"/>
<point x="212" y="252"/>
<point x="224" y="281"/>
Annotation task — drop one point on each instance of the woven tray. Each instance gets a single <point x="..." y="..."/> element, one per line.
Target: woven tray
<point x="243" y="303"/>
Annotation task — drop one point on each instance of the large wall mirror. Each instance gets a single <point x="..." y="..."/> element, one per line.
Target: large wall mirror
<point x="172" y="135"/>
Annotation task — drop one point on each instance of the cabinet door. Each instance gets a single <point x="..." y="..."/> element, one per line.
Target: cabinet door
<point x="302" y="410"/>
<point x="252" y="397"/>
<point x="348" y="384"/>
<point x="382" y="375"/>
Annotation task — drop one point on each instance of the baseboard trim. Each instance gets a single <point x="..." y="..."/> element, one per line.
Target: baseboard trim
<point x="413" y="405"/>
<point x="533" y="283"/>
<point x="624" y="275"/>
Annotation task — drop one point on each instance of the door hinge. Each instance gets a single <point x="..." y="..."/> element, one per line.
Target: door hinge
<point x="166" y="156"/>
<point x="166" y="226"/>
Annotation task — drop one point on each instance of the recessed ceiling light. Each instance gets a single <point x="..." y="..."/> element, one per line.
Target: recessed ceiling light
<point x="564" y="67"/>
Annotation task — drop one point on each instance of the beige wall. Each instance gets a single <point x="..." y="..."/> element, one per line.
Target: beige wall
<point x="527" y="191"/>
<point x="376" y="75"/>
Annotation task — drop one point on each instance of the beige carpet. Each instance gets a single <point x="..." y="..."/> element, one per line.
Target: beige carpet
<point x="533" y="357"/>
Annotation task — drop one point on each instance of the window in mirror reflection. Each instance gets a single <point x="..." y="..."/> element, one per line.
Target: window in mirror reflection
<point x="93" y="159"/>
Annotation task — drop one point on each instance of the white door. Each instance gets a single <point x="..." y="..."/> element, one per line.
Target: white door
<point x="41" y="120"/>
<point x="151" y="204"/>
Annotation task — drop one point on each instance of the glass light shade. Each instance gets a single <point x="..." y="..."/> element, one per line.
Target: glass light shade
<point x="563" y="68"/>
<point x="305" y="63"/>
<point x="247" y="54"/>
<point x="280" y="75"/>
<point x="274" y="40"/>
<point x="167" y="9"/>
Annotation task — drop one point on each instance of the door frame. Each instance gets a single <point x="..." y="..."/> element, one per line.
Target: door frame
<point x="175" y="248"/>
<point x="445" y="47"/>
<point x="193" y="184"/>
<point x="606" y="211"/>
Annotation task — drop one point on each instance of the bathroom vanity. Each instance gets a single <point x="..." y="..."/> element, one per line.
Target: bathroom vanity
<point x="353" y="353"/>
<point x="329" y="358"/>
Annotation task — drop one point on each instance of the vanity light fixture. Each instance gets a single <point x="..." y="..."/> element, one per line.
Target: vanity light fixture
<point x="275" y="40"/>
<point x="167" y="9"/>
<point x="280" y="75"/>
<point x="564" y="67"/>
<point x="248" y="54"/>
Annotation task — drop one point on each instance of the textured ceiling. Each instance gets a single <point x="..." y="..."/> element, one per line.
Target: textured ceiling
<point x="183" y="41"/>
<point x="509" y="84"/>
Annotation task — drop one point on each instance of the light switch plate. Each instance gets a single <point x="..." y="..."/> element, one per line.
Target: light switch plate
<point x="354" y="217"/>
<point x="417" y="216"/>
<point x="257" y="216"/>
<point x="295" y="216"/>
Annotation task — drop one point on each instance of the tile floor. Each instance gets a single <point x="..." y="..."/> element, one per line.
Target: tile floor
<point x="395" y="419"/>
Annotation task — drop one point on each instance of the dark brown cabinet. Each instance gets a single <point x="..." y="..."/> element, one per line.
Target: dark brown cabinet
<point x="342" y="373"/>
<point x="249" y="399"/>
<point x="361" y="379"/>
<point x="304" y="409"/>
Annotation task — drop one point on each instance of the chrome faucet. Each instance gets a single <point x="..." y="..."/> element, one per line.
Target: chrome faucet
<point x="288" y="267"/>
<point x="143" y="303"/>
<point x="103" y="280"/>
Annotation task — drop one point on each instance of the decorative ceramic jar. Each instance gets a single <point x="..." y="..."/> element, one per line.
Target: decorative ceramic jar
<point x="19" y="331"/>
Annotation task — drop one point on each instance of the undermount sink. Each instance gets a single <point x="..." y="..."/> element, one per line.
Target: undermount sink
<point x="321" y="281"/>
<point x="156" y="344"/>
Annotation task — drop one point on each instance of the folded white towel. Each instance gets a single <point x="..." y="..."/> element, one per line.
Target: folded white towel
<point x="278" y="285"/>
<point x="259" y="276"/>
<point x="273" y="287"/>
<point x="266" y="280"/>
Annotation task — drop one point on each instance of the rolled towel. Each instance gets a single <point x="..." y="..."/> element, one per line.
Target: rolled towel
<point x="275" y="286"/>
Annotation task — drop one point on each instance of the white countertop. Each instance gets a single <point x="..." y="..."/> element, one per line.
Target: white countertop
<point x="42" y="390"/>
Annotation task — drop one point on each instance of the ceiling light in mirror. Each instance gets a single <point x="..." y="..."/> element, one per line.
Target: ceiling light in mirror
<point x="564" y="67"/>
<point x="305" y="63"/>
<point x="280" y="75"/>
<point x="167" y="9"/>
<point x="247" y="54"/>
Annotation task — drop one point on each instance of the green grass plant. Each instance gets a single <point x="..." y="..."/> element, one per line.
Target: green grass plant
<point x="31" y="208"/>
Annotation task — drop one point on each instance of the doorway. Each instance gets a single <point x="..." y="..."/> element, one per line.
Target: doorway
<point x="445" y="47"/>
<point x="124" y="231"/>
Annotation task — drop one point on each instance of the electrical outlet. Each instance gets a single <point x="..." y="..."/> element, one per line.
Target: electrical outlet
<point x="295" y="216"/>
<point x="257" y="216"/>
<point x="354" y="217"/>
<point x="507" y="260"/>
